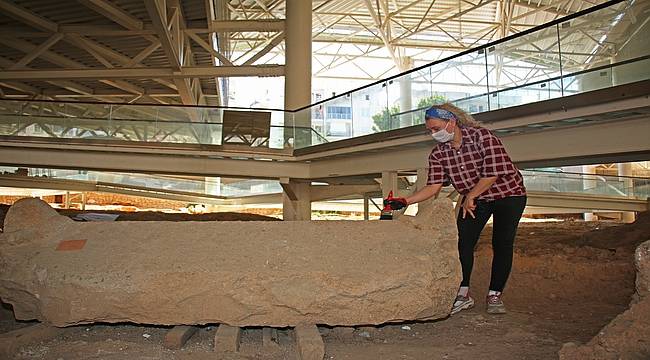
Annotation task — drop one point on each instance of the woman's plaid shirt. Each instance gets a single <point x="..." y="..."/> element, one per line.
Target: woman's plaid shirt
<point x="481" y="155"/>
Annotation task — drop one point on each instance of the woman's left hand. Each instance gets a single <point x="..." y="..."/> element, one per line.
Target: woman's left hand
<point x="469" y="206"/>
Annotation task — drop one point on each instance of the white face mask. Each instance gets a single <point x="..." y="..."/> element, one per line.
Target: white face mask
<point x="443" y="135"/>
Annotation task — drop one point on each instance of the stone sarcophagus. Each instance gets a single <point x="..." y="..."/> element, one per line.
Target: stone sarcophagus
<point x="252" y="273"/>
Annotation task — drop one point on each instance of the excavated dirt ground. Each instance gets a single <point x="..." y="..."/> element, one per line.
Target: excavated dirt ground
<point x="569" y="280"/>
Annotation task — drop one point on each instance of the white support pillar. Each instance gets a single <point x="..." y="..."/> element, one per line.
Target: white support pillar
<point x="625" y="169"/>
<point x="296" y="199"/>
<point x="405" y="93"/>
<point x="297" y="78"/>
<point x="588" y="184"/>
<point x="83" y="201"/>
<point x="67" y="200"/>
<point x="212" y="186"/>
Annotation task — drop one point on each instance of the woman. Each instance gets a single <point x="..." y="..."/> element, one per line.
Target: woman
<point x="474" y="161"/>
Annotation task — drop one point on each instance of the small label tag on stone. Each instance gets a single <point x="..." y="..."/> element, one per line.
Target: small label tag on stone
<point x="71" y="245"/>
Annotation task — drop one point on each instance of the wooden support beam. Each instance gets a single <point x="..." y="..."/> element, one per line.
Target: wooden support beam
<point x="309" y="343"/>
<point x="227" y="339"/>
<point x="178" y="336"/>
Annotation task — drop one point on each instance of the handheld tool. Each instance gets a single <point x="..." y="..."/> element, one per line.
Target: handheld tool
<point x="387" y="211"/>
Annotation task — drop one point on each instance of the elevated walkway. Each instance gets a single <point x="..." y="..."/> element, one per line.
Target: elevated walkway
<point x="557" y="190"/>
<point x="607" y="125"/>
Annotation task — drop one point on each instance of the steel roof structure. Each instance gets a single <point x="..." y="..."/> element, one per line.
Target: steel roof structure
<point x="175" y="52"/>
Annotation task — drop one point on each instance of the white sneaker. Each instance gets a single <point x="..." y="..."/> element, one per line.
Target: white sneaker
<point x="462" y="303"/>
<point x="495" y="305"/>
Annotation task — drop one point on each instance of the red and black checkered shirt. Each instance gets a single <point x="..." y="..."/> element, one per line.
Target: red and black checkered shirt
<point x="481" y="155"/>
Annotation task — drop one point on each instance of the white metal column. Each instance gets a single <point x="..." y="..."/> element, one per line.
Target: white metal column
<point x="405" y="93"/>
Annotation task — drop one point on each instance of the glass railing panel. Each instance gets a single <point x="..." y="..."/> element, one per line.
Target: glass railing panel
<point x="634" y="71"/>
<point x="587" y="81"/>
<point x="409" y="93"/>
<point x="539" y="91"/>
<point x="134" y="112"/>
<point x="332" y="119"/>
<point x="309" y="135"/>
<point x="54" y="109"/>
<point x="463" y="77"/>
<point x="226" y="187"/>
<point x="593" y="184"/>
<point x="255" y="128"/>
<point x="460" y="78"/>
<point x="473" y="104"/>
<point x="412" y="93"/>
<point x="147" y="123"/>
<point x="370" y="111"/>
<point x="249" y="187"/>
<point x="614" y="34"/>
<point x="525" y="69"/>
<point x="183" y="114"/>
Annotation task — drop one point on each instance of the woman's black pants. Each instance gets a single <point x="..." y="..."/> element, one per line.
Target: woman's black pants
<point x="506" y="212"/>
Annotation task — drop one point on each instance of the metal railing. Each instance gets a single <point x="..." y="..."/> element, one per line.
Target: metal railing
<point x="628" y="187"/>
<point x="587" y="184"/>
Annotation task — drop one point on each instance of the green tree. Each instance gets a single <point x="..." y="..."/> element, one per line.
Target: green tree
<point x="383" y="120"/>
<point x="434" y="99"/>
<point x="386" y="121"/>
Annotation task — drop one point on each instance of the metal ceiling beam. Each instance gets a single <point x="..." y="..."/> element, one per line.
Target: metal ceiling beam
<point x="209" y="48"/>
<point x="97" y="50"/>
<point x="114" y="13"/>
<point x="52" y="57"/>
<point x="37" y="51"/>
<point x="28" y="17"/>
<point x="172" y="42"/>
<point x="144" y="73"/>
<point x="458" y="14"/>
<point x="157" y="10"/>
<point x="68" y="85"/>
<point x="269" y="25"/>
<point x="382" y="33"/>
<point x="275" y="41"/>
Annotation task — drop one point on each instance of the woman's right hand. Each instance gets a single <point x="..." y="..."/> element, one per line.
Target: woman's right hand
<point x="469" y="205"/>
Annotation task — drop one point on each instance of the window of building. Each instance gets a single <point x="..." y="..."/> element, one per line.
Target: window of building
<point x="339" y="112"/>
